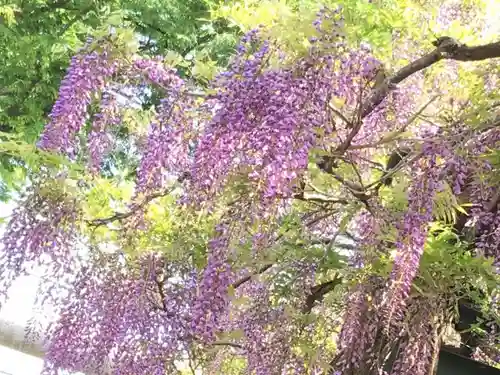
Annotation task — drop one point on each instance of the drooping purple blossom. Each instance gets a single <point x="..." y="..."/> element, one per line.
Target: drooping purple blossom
<point x="212" y="300"/>
<point x="357" y="333"/>
<point x="361" y="318"/>
<point x="166" y="152"/>
<point x="265" y="126"/>
<point x="99" y="141"/>
<point x="125" y="320"/>
<point x="484" y="196"/>
<point x="266" y="329"/>
<point x="267" y="122"/>
<point x="87" y="75"/>
<point x="253" y="324"/>
<point x="42" y="225"/>
<point x="167" y="148"/>
<point x="412" y="232"/>
<point x="419" y="347"/>
<point x="154" y="71"/>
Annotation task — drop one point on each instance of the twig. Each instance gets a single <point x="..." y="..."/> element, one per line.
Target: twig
<point x="446" y="48"/>
<point x="316" y="189"/>
<point x="355" y="189"/>
<point x="319" y="198"/>
<point x="227" y="343"/>
<point x="329" y="241"/>
<point x="391" y="172"/>
<point x="124" y="215"/>
<point x="339" y="114"/>
<point x="356" y="171"/>
<point x="394" y="136"/>
<point x="245" y="279"/>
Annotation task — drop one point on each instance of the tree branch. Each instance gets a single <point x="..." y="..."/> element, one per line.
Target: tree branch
<point x="340" y="114"/>
<point x="318" y="198"/>
<point x="318" y="292"/>
<point x="124" y="215"/>
<point x="446" y="48"/>
<point x="478" y="53"/>
<point x="161" y="292"/>
<point x="227" y="343"/>
<point x="245" y="279"/>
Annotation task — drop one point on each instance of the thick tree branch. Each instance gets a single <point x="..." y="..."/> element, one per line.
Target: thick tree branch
<point x="318" y="198"/>
<point x="318" y="292"/>
<point x="478" y="53"/>
<point x="161" y="292"/>
<point x="446" y="48"/>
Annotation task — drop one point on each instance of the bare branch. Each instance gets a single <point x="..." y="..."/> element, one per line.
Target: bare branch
<point x="245" y="279"/>
<point x="395" y="136"/>
<point x="318" y="292"/>
<point x="226" y="343"/>
<point x="124" y="215"/>
<point x="161" y="292"/>
<point x="340" y="114"/>
<point x="136" y="207"/>
<point x="394" y="170"/>
<point x="319" y="198"/>
<point x="446" y="48"/>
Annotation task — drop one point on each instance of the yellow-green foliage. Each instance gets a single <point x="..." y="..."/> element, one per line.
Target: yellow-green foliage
<point x="7" y="14"/>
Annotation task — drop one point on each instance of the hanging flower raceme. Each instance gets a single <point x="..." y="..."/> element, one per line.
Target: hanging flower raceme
<point x="471" y="176"/>
<point x="361" y="318"/>
<point x="266" y="336"/>
<point x="421" y="346"/>
<point x="414" y="228"/>
<point x="99" y="141"/>
<point x="43" y="224"/>
<point x="264" y="129"/>
<point x="111" y="320"/>
<point x="252" y="323"/>
<point x="212" y="301"/>
<point x="154" y="71"/>
<point x="484" y="195"/>
<point x="168" y="144"/>
<point x="357" y="73"/>
<point x="87" y="75"/>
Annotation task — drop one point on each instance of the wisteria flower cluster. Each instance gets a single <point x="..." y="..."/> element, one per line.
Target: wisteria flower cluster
<point x="88" y="74"/>
<point x="261" y="127"/>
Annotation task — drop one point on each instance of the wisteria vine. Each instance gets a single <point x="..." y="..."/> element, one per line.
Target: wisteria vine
<point x="270" y="124"/>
